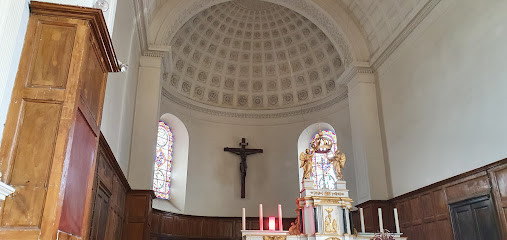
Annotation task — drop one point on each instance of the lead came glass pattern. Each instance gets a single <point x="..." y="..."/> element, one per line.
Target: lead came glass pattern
<point x="163" y="161"/>
<point x="323" y="174"/>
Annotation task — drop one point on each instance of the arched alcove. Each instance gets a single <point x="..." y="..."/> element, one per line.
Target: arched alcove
<point x="176" y="202"/>
<point x="306" y="137"/>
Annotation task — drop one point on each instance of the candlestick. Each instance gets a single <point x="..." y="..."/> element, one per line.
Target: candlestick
<point x="280" y="223"/>
<point x="243" y="220"/>
<point x="380" y="223"/>
<point x="361" y="216"/>
<point x="261" y="224"/>
<point x="396" y="220"/>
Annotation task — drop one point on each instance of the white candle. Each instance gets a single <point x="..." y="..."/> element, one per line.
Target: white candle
<point x="396" y="221"/>
<point x="280" y="223"/>
<point x="243" y="220"/>
<point x="380" y="223"/>
<point x="261" y="224"/>
<point x="361" y="216"/>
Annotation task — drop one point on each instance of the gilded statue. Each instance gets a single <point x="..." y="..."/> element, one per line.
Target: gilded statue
<point x="295" y="227"/>
<point x="306" y="163"/>
<point x="338" y="160"/>
<point x="330" y="225"/>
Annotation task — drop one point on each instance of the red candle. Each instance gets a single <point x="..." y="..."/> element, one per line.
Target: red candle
<point x="271" y="223"/>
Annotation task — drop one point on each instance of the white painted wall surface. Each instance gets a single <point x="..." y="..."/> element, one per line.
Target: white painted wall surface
<point x="213" y="180"/>
<point x="13" y="24"/>
<point x="119" y="100"/>
<point x="444" y="94"/>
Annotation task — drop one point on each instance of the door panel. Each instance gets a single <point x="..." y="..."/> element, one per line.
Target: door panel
<point x="475" y="219"/>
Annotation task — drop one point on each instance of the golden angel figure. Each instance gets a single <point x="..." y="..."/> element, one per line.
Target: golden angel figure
<point x="338" y="161"/>
<point x="306" y="163"/>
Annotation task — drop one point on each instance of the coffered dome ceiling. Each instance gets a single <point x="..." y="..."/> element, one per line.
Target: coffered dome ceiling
<point x="247" y="54"/>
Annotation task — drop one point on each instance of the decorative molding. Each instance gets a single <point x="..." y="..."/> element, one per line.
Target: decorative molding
<point x="421" y="15"/>
<point x="5" y="190"/>
<point x="256" y="114"/>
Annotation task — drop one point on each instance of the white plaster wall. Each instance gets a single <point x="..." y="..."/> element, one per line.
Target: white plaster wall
<point x="119" y="100"/>
<point x="443" y="94"/>
<point x="213" y="180"/>
<point x="13" y="24"/>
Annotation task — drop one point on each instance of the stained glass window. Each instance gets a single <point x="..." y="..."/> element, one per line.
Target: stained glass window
<point x="323" y="174"/>
<point x="163" y="161"/>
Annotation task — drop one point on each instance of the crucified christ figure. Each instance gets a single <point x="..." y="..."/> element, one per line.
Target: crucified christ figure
<point x="243" y="152"/>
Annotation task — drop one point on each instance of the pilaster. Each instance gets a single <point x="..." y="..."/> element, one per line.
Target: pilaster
<point x="146" y="117"/>
<point x="366" y="139"/>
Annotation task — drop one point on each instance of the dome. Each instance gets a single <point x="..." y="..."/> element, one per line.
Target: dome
<point x="246" y="54"/>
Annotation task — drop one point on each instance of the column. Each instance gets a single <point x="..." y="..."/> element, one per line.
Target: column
<point x="366" y="139"/>
<point x="146" y="117"/>
<point x="347" y="220"/>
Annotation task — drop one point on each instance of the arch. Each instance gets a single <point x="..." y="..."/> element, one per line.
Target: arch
<point x="328" y="15"/>
<point x="180" y="147"/>
<point x="306" y="137"/>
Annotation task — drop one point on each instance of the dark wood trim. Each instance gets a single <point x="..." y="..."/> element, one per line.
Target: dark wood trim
<point x="147" y="192"/>
<point x="95" y="19"/>
<point x="451" y="179"/>
<point x="112" y="161"/>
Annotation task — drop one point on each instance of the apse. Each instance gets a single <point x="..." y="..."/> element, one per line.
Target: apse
<point x="254" y="70"/>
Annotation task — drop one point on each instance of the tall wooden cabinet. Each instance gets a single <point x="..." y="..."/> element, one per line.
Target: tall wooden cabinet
<point x="51" y="134"/>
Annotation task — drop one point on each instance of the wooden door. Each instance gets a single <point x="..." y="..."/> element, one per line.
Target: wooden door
<point x="475" y="219"/>
<point x="100" y="214"/>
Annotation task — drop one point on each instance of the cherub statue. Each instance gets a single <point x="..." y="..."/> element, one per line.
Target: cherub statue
<point x="306" y="163"/>
<point x="338" y="160"/>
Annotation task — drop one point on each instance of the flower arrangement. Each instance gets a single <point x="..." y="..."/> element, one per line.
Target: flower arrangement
<point x="386" y="235"/>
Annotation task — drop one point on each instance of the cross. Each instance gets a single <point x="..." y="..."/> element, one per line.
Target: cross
<point x="243" y="152"/>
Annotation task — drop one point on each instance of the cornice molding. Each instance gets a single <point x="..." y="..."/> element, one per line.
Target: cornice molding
<point x="141" y="25"/>
<point x="255" y="114"/>
<point x="377" y="61"/>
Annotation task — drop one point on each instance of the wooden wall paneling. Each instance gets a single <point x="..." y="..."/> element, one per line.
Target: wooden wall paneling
<point x="138" y="215"/>
<point x="471" y="186"/>
<point x="498" y="177"/>
<point x="370" y="211"/>
<point x="176" y="226"/>
<point x="109" y="178"/>
<point x="424" y="213"/>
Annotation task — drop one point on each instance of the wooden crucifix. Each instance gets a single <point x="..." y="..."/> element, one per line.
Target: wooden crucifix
<point x="243" y="152"/>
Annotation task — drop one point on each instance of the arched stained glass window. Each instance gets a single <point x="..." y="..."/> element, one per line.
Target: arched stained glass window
<point x="323" y="174"/>
<point x="163" y="161"/>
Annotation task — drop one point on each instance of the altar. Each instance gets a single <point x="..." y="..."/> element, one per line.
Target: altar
<point x="322" y="213"/>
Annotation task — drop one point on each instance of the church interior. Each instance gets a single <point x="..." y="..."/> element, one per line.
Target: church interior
<point x="253" y="119"/>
